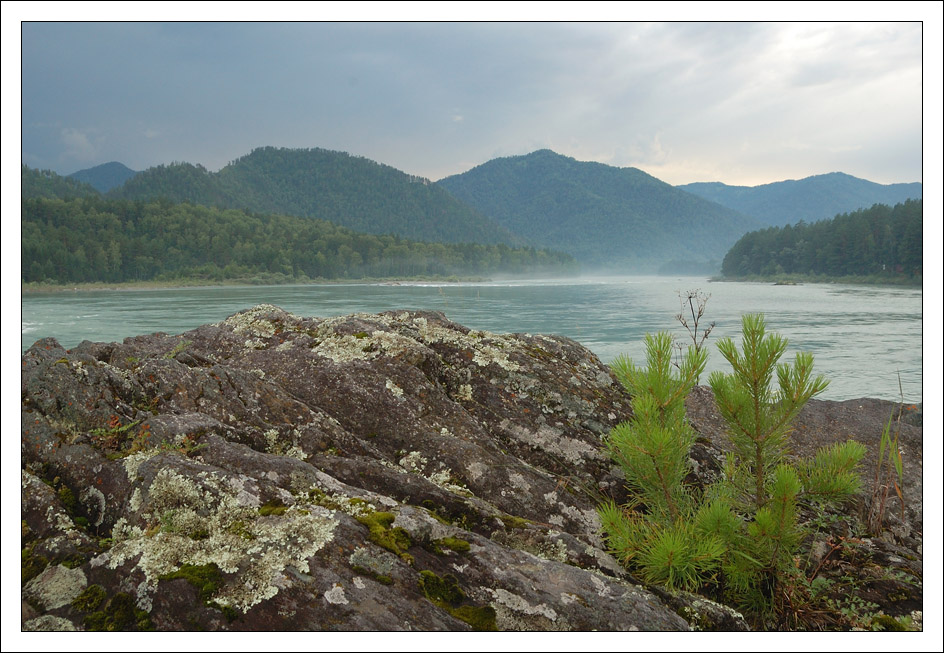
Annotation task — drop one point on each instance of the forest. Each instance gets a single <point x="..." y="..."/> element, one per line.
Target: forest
<point x="92" y="239"/>
<point x="347" y="190"/>
<point x="881" y="243"/>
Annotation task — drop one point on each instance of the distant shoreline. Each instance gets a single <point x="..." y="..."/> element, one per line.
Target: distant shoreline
<point x="44" y="288"/>
<point x="799" y="279"/>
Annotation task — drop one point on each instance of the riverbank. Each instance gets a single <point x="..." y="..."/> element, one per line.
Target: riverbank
<point x="796" y="279"/>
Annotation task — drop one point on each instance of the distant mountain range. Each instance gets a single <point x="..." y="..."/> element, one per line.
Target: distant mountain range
<point x="619" y="219"/>
<point x="350" y="191"/>
<point x="820" y="197"/>
<point x="606" y="217"/>
<point x="104" y="177"/>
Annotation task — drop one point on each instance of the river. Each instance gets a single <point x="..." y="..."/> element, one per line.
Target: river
<point x="863" y="338"/>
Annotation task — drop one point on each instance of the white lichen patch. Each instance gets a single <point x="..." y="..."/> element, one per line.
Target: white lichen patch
<point x="335" y="595"/>
<point x="567" y="598"/>
<point x="360" y="346"/>
<point x="49" y="623"/>
<point x="444" y="479"/>
<point x="394" y="389"/>
<point x="476" y="470"/>
<point x="134" y="461"/>
<point x="602" y="589"/>
<point x="232" y="535"/>
<point x="414" y="462"/>
<point x="254" y="321"/>
<point x="94" y="501"/>
<point x="553" y="440"/>
<point x="380" y="564"/>
<point x="56" y="586"/>
<point x="518" y="481"/>
<point x="487" y="348"/>
<point x="513" y="612"/>
<point x="276" y="446"/>
<point x="464" y="393"/>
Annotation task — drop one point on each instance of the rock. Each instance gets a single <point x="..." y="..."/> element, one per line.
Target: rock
<point x="395" y="471"/>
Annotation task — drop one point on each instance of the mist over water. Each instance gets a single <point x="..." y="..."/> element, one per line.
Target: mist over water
<point x="862" y="337"/>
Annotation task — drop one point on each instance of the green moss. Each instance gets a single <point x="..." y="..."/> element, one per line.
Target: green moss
<point x="380" y="578"/>
<point x="206" y="578"/>
<point x="888" y="624"/>
<point x="394" y="539"/>
<point x="443" y="589"/>
<point x="89" y="599"/>
<point x="273" y="507"/>
<point x="31" y="564"/>
<point x="360" y="335"/>
<point x="241" y="529"/>
<point x="119" y="613"/>
<point x="228" y="611"/>
<point x="444" y="592"/>
<point x="69" y="502"/>
<point x="514" y="522"/>
<point x="74" y="561"/>
<point x="452" y="543"/>
<point x="479" y="618"/>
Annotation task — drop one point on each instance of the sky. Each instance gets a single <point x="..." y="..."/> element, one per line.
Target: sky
<point x="741" y="103"/>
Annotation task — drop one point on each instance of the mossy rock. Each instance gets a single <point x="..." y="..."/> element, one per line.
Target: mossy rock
<point x="443" y="589"/>
<point x="31" y="564"/>
<point x="206" y="578"/>
<point x="273" y="507"/>
<point x="90" y="598"/>
<point x="440" y="546"/>
<point x="120" y="613"/>
<point x="444" y="592"/>
<point x="393" y="539"/>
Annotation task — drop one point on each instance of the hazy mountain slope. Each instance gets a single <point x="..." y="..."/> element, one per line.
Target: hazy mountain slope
<point x="620" y="218"/>
<point x="105" y="176"/>
<point x="350" y="191"/>
<point x="814" y="198"/>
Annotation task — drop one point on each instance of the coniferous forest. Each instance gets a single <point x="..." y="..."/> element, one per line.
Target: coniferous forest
<point x="92" y="239"/>
<point x="880" y="243"/>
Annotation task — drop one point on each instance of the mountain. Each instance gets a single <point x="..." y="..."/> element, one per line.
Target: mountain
<point x="47" y="184"/>
<point x="819" y="197"/>
<point x="606" y="217"/>
<point x="105" y="177"/>
<point x="347" y="190"/>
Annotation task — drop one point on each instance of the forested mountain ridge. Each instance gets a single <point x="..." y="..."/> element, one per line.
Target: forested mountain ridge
<point x="880" y="242"/>
<point x="104" y="177"/>
<point x="606" y="217"/>
<point x="93" y="239"/>
<point x="819" y="197"/>
<point x="347" y="190"/>
<point x="46" y="183"/>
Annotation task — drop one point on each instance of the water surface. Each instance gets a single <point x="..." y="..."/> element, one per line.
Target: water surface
<point x="862" y="337"/>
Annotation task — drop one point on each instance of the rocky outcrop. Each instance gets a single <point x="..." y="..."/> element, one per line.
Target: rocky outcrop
<point x="368" y="472"/>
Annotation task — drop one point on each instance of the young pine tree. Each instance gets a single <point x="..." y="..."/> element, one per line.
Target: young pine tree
<point x="740" y="535"/>
<point x="664" y="533"/>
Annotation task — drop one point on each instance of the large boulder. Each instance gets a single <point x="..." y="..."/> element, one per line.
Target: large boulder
<point x="367" y="472"/>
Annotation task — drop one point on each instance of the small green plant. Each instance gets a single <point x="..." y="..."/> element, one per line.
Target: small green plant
<point x="178" y="348"/>
<point x="888" y="474"/>
<point x="738" y="537"/>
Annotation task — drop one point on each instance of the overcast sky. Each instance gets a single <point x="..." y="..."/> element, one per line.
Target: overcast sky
<point x="741" y="103"/>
